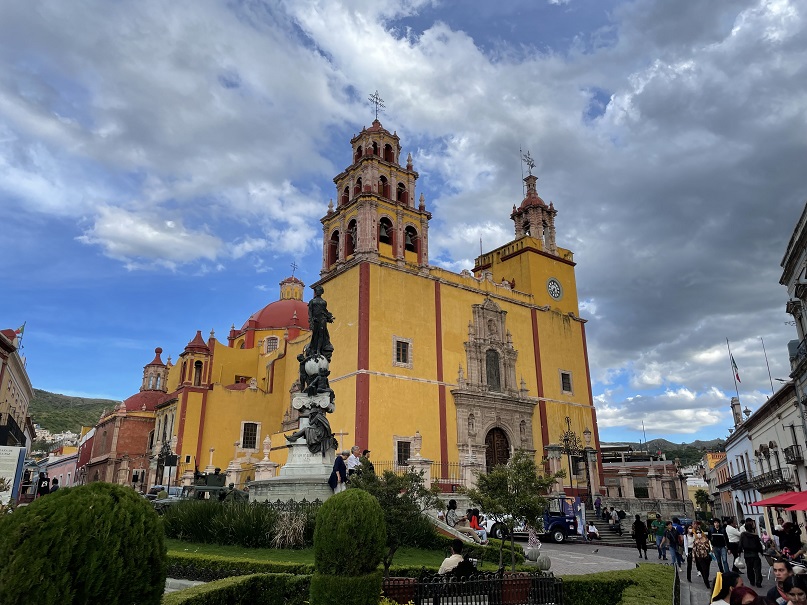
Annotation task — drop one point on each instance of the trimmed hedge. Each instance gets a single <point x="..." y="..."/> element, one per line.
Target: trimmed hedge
<point x="341" y="590"/>
<point x="645" y="585"/>
<point x="206" y="568"/>
<point x="98" y="543"/>
<point x="268" y="589"/>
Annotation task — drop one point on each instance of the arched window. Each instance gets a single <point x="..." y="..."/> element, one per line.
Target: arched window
<point x="526" y="228"/>
<point x="271" y="344"/>
<point x="350" y="240"/>
<point x="358" y="155"/>
<point x="197" y="374"/>
<point x="333" y="248"/>
<point x="385" y="233"/>
<point x="151" y="381"/>
<point x="492" y="367"/>
<point x="410" y="239"/>
<point x="158" y="381"/>
<point x="357" y="187"/>
<point x="375" y="148"/>
<point x="401" y="195"/>
<point x="383" y="186"/>
<point x="345" y="195"/>
<point x="389" y="154"/>
<point x="182" y="374"/>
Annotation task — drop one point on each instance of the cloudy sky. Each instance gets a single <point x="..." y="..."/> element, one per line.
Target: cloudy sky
<point x="163" y="164"/>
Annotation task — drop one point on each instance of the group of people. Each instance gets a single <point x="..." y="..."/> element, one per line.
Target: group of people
<point x="790" y="588"/>
<point x="346" y="465"/>
<point x="45" y="486"/>
<point x="468" y="524"/>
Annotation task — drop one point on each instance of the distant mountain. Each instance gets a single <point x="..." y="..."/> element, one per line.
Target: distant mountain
<point x="59" y="413"/>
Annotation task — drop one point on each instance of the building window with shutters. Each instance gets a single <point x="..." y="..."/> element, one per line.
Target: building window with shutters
<point x="403" y="452"/>
<point x="566" y="382"/>
<point x="271" y="344"/>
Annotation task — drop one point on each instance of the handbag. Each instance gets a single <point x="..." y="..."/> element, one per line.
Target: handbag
<point x="739" y="563"/>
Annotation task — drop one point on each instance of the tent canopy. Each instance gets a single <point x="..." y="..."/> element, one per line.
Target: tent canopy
<point x="782" y="500"/>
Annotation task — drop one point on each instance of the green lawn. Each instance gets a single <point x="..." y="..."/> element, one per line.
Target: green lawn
<point x="403" y="556"/>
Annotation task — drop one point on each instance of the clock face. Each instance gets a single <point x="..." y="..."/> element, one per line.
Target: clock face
<point x="554" y="288"/>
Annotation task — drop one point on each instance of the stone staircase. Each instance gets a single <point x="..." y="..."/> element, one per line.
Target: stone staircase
<point x="608" y="537"/>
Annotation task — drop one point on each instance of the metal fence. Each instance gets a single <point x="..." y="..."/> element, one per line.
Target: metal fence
<point x="477" y="589"/>
<point x="448" y="475"/>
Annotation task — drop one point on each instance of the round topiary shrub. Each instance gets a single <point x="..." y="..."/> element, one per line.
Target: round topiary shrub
<point x="99" y="543"/>
<point x="349" y="544"/>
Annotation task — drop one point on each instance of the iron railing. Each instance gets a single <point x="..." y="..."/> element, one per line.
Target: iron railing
<point x="793" y="454"/>
<point x="448" y="475"/>
<point x="477" y="589"/>
<point x="774" y="478"/>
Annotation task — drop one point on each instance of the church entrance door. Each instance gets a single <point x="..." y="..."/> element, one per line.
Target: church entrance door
<point x="497" y="448"/>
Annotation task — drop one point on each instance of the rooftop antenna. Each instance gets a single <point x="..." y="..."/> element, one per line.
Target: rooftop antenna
<point x="521" y="157"/>
<point x="376" y="100"/>
<point x="293" y="268"/>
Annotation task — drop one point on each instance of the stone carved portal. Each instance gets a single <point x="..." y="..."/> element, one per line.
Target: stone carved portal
<point x="493" y="414"/>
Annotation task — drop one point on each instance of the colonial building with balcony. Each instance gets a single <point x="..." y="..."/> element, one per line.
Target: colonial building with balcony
<point x="16" y="392"/>
<point x="764" y="456"/>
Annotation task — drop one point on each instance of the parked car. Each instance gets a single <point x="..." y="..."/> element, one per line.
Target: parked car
<point x="174" y="491"/>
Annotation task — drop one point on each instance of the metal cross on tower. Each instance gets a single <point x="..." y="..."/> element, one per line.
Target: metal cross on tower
<point x="293" y="268"/>
<point x="376" y="100"/>
<point x="527" y="159"/>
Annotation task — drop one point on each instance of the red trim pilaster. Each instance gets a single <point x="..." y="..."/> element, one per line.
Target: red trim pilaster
<point x="539" y="380"/>
<point x="183" y="411"/>
<point x="202" y="414"/>
<point x="362" y="429"/>
<point x="441" y="389"/>
<point x="595" y="428"/>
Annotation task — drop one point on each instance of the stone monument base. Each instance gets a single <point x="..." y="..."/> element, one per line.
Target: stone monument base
<point x="304" y="476"/>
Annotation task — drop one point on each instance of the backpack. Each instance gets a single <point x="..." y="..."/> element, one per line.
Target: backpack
<point x="621" y="514"/>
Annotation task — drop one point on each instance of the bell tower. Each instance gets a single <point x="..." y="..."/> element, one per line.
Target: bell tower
<point x="376" y="217"/>
<point x="534" y="218"/>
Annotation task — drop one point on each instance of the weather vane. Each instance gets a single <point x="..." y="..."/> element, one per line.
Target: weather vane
<point x="527" y="159"/>
<point x="376" y="100"/>
<point x="293" y="268"/>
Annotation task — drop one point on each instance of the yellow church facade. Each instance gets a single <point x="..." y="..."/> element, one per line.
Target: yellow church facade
<point x="454" y="367"/>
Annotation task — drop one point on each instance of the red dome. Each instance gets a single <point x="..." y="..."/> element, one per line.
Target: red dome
<point x="280" y="314"/>
<point x="149" y="398"/>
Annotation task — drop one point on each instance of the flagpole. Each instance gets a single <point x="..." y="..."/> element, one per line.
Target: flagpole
<point x="766" y="363"/>
<point x="733" y="375"/>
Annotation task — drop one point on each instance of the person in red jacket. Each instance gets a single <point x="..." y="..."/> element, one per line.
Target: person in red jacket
<point x="473" y="520"/>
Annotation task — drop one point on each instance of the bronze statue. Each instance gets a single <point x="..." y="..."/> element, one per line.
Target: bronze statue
<point x="318" y="435"/>
<point x="318" y="319"/>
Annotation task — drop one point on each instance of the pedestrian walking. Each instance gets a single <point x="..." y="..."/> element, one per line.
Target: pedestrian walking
<point x="54" y="485"/>
<point x="675" y="543"/>
<point x="717" y="536"/>
<point x="702" y="552"/>
<point x="658" y="527"/>
<point x="639" y="534"/>
<point x="689" y="542"/>
<point x="751" y="547"/>
<point x="733" y="535"/>
<point x="597" y="506"/>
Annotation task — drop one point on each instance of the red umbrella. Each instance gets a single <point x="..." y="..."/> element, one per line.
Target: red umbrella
<point x="801" y="503"/>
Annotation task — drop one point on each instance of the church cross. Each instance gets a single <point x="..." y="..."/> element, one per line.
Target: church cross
<point x="293" y="268"/>
<point x="527" y="159"/>
<point x="375" y="99"/>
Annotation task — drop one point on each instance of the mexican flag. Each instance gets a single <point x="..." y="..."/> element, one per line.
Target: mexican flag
<point x="19" y="331"/>
<point x="734" y="367"/>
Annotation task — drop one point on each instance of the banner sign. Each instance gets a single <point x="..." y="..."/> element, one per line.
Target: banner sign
<point x="12" y="461"/>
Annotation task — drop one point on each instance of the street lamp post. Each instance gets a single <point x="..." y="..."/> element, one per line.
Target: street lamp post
<point x="681" y="479"/>
<point x="571" y="446"/>
<point x="586" y="452"/>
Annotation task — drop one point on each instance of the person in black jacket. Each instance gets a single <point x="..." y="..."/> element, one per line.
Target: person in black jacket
<point x="751" y="547"/>
<point x="338" y="478"/>
<point x="639" y="533"/>
<point x="42" y="485"/>
<point x="719" y="544"/>
<point x="790" y="539"/>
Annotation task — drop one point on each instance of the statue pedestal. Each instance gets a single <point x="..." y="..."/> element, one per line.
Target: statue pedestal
<point x="304" y="476"/>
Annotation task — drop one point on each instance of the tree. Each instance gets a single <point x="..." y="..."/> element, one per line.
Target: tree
<point x="403" y="498"/>
<point x="512" y="493"/>
<point x="702" y="499"/>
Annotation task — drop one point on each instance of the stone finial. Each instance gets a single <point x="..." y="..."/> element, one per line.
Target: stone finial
<point x="330" y="207"/>
<point x="417" y="441"/>
<point x="212" y="334"/>
<point x="409" y="161"/>
<point x="267" y="446"/>
<point x="422" y="202"/>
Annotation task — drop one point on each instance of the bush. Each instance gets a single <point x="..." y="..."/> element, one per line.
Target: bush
<point x="205" y="568"/>
<point x="270" y="589"/>
<point x="343" y="590"/>
<point x="98" y="543"/>
<point x="645" y="585"/>
<point x="211" y="522"/>
<point x="350" y="535"/>
<point x="349" y="543"/>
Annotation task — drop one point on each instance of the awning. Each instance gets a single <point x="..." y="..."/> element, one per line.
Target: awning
<point x="801" y="503"/>
<point x="782" y="500"/>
